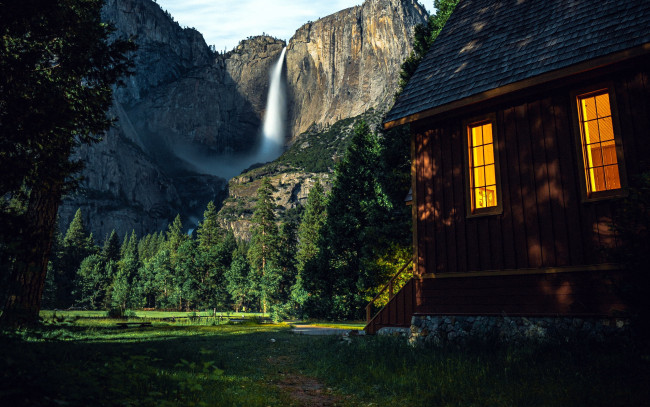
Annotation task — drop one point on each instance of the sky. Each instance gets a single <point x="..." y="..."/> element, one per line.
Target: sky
<point x="224" y="23"/>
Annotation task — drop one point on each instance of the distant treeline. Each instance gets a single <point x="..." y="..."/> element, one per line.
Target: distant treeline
<point x="328" y="262"/>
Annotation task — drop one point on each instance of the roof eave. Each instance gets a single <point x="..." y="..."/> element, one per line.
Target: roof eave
<point x="578" y="68"/>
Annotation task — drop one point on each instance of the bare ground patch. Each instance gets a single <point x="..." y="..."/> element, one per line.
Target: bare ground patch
<point x="305" y="391"/>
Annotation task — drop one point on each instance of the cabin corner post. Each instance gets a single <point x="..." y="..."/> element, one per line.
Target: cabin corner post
<point x="414" y="207"/>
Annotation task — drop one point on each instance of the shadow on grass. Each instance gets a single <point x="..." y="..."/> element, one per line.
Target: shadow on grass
<point x="242" y="365"/>
<point x="164" y="365"/>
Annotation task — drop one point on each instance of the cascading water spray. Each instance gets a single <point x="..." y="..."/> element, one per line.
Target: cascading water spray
<point x="273" y="129"/>
<point x="273" y="134"/>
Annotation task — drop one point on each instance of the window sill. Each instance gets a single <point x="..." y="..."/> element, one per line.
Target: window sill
<point x="497" y="210"/>
<point x="606" y="195"/>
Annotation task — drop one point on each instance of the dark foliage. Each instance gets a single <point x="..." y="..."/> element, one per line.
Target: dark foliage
<point x="57" y="68"/>
<point x="632" y="226"/>
<point x="423" y="38"/>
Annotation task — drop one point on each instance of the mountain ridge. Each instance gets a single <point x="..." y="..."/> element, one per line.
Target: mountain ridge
<point x="187" y="109"/>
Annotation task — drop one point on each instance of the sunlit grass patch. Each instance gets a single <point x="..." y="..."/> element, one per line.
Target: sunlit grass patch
<point x="48" y="314"/>
<point x="355" y="325"/>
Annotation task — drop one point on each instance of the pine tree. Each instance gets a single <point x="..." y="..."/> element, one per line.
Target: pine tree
<point x="162" y="275"/>
<point x="351" y="236"/>
<point x="307" y="249"/>
<point x="131" y="249"/>
<point x="121" y="289"/>
<point x="76" y="235"/>
<point x="283" y="305"/>
<point x="263" y="251"/>
<point x="208" y="231"/>
<point x="127" y="270"/>
<point x="91" y="282"/>
<point x="241" y="285"/>
<point x="143" y="247"/>
<point x="111" y="248"/>
<point x="310" y="227"/>
<point x="175" y="237"/>
<point x="185" y="287"/>
<point x="212" y="264"/>
<point x="175" y="234"/>
<point x="76" y="247"/>
<point x="124" y="245"/>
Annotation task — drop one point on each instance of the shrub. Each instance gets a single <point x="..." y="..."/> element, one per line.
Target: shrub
<point x="631" y="223"/>
<point x="115" y="313"/>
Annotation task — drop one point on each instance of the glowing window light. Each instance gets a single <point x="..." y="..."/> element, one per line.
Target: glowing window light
<point x="598" y="145"/>
<point x="482" y="167"/>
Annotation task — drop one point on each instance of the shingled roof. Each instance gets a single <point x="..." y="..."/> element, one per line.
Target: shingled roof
<point x="487" y="44"/>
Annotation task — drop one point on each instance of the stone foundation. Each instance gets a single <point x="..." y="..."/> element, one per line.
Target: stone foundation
<point x="441" y="330"/>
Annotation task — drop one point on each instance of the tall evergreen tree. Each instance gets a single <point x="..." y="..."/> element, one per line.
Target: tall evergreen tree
<point x="241" y="285"/>
<point x="124" y="245"/>
<point x="310" y="226"/>
<point x="76" y="236"/>
<point x="127" y="270"/>
<point x="185" y="287"/>
<point x="91" y="282"/>
<point x="111" y="248"/>
<point x="308" y="238"/>
<point x="263" y="250"/>
<point x="208" y="231"/>
<point x="351" y="236"/>
<point x="77" y="246"/>
<point x="57" y="68"/>
<point x="175" y="234"/>
<point x="213" y="263"/>
<point x="282" y="303"/>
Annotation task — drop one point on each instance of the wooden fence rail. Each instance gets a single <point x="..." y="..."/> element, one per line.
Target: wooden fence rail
<point x="390" y="287"/>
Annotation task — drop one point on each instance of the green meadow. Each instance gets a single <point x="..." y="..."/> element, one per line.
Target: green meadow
<point x="81" y="359"/>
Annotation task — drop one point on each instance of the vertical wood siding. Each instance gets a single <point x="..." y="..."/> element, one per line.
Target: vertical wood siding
<point x="544" y="223"/>
<point x="398" y="311"/>
<point x="588" y="293"/>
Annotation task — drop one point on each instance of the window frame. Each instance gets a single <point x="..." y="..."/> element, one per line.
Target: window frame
<point x="586" y="194"/>
<point x="470" y="211"/>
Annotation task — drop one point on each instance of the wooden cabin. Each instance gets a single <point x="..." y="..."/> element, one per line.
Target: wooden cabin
<point x="529" y="120"/>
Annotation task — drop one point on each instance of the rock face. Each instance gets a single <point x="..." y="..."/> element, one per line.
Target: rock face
<point x="189" y="116"/>
<point x="339" y="67"/>
<point x="292" y="190"/>
<point x="183" y="106"/>
<point x="345" y="63"/>
<point x="125" y="190"/>
<point x="182" y="92"/>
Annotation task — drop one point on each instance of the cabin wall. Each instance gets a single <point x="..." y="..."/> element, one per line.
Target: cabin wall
<point x="544" y="223"/>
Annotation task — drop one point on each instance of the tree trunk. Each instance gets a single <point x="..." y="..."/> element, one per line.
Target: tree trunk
<point x="27" y="277"/>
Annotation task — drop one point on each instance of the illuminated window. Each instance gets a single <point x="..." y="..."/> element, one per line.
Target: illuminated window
<point x="483" y="170"/>
<point x="598" y="144"/>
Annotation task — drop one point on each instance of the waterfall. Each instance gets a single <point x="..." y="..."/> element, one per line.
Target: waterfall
<point x="270" y="146"/>
<point x="273" y="129"/>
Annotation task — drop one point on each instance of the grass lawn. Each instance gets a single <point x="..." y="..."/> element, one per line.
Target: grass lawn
<point x="93" y="362"/>
<point x="353" y="325"/>
<point x="48" y="314"/>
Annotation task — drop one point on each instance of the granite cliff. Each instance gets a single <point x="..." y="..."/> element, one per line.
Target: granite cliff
<point x="188" y="111"/>
<point x="184" y="106"/>
<point x="340" y="69"/>
<point x="345" y="63"/>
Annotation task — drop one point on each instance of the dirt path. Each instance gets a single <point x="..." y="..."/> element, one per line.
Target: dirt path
<point x="317" y="330"/>
<point x="305" y="391"/>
